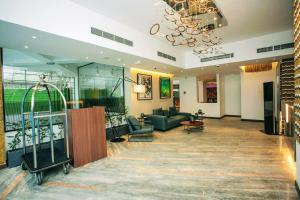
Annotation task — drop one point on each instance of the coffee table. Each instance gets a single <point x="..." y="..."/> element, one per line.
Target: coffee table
<point x="189" y="125"/>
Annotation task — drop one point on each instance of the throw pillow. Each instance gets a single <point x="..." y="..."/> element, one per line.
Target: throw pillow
<point x="158" y="111"/>
<point x="173" y="111"/>
<point x="166" y="113"/>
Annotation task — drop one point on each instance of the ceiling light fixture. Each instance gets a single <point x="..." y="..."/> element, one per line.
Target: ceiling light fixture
<point x="87" y="57"/>
<point x="26" y="46"/>
<point x="101" y="52"/>
<point x="191" y="23"/>
<point x="119" y="59"/>
<point x="33" y="37"/>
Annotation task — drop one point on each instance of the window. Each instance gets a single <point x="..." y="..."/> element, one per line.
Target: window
<point x="22" y="70"/>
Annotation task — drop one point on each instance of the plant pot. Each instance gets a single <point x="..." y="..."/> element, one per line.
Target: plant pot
<point x="14" y="157"/>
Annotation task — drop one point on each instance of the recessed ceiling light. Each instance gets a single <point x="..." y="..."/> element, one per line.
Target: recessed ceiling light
<point x="26" y="47"/>
<point x="119" y="59"/>
<point x="87" y="57"/>
<point x="220" y="25"/>
<point x="33" y="37"/>
<point x="215" y="18"/>
<point x="101" y="52"/>
<point x="123" y="64"/>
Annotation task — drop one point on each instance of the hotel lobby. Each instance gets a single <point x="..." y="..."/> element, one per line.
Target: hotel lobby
<point x="152" y="99"/>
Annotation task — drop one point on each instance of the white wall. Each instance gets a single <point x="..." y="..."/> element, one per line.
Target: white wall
<point x="232" y="84"/>
<point x="188" y="98"/>
<point x="222" y="95"/>
<point x="252" y="100"/>
<point x="136" y="107"/>
<point x="70" y="20"/>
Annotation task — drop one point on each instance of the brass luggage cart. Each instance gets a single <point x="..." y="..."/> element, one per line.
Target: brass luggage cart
<point x="37" y="159"/>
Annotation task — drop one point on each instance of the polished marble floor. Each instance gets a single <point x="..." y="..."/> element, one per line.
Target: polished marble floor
<point x="230" y="159"/>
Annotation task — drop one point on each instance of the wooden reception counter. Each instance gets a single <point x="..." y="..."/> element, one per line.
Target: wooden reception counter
<point x="87" y="135"/>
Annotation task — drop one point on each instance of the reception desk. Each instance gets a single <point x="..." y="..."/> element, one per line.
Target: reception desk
<point x="87" y="135"/>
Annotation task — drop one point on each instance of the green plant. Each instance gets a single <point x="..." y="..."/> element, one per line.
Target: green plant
<point x="17" y="137"/>
<point x="44" y="132"/>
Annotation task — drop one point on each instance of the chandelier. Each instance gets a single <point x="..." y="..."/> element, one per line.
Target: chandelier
<point x="191" y="23"/>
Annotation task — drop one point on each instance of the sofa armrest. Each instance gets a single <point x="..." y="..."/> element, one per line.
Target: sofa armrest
<point x="159" y="121"/>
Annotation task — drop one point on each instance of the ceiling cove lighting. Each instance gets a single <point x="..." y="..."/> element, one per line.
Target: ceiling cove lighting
<point x="151" y="72"/>
<point x="258" y="68"/>
<point x="191" y="23"/>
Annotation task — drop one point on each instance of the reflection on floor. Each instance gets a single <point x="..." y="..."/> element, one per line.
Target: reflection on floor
<point x="229" y="160"/>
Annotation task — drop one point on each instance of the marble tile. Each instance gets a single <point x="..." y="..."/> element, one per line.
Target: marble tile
<point x="230" y="159"/>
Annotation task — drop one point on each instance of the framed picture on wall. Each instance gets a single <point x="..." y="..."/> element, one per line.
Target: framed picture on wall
<point x="165" y="87"/>
<point x="145" y="79"/>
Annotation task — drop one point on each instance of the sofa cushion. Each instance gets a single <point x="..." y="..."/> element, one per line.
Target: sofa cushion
<point x="158" y="111"/>
<point x="172" y="111"/>
<point x="134" y="123"/>
<point x="177" y="118"/>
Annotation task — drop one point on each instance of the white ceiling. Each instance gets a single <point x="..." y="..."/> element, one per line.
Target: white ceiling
<point x="246" y="18"/>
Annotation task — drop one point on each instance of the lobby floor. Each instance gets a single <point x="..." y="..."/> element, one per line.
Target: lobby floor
<point x="230" y="159"/>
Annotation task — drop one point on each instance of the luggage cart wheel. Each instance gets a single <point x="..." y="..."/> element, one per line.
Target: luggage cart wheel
<point x="39" y="178"/>
<point x="66" y="168"/>
<point x="23" y="166"/>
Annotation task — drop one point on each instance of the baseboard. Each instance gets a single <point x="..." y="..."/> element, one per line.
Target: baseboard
<point x="297" y="189"/>
<point x="213" y="117"/>
<point x="222" y="116"/>
<point x="252" y="120"/>
<point x="239" y="116"/>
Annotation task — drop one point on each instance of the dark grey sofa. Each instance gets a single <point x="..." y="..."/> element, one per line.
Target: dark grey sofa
<point x="167" y="119"/>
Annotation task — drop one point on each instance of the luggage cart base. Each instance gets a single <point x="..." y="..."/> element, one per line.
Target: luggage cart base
<point x="44" y="162"/>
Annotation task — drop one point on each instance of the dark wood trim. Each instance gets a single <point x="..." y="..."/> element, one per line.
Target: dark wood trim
<point x="252" y="120"/>
<point x="239" y="116"/>
<point x="213" y="117"/>
<point x="297" y="189"/>
<point x="222" y="116"/>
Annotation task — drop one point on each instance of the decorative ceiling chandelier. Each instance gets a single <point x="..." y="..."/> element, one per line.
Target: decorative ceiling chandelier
<point x="191" y="23"/>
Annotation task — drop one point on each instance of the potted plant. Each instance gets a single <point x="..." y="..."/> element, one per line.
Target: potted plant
<point x="15" y="152"/>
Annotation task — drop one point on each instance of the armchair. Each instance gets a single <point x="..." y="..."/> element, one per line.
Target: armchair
<point x="136" y="128"/>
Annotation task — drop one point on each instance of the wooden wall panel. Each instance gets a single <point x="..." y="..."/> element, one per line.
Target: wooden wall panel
<point x="2" y="136"/>
<point x="297" y="65"/>
<point x="87" y="135"/>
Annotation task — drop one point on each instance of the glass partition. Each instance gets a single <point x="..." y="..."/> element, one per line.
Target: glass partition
<point x="17" y="81"/>
<point x="98" y="86"/>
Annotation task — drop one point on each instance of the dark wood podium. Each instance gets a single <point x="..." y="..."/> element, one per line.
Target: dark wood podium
<point x="87" y="135"/>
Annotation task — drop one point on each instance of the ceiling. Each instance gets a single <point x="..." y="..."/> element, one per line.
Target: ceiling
<point x="245" y="16"/>
<point x="65" y="51"/>
<point x="251" y="18"/>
